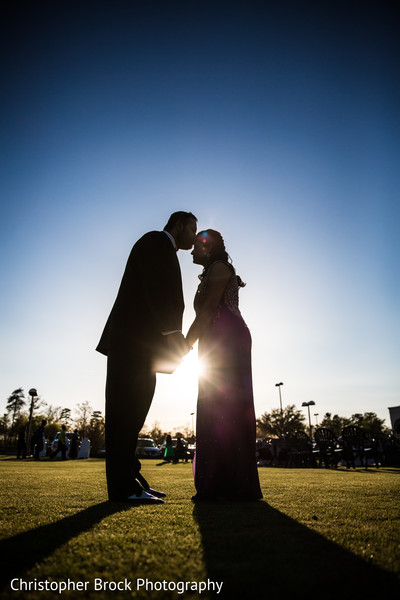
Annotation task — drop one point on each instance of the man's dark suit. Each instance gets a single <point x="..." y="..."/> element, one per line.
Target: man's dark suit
<point x="149" y="302"/>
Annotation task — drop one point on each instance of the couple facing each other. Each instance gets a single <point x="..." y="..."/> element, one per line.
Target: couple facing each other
<point x="146" y="323"/>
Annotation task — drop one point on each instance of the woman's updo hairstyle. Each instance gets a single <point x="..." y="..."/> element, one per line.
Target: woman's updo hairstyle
<point x="215" y="244"/>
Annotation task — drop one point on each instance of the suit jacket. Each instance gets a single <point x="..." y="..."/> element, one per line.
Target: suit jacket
<point x="149" y="300"/>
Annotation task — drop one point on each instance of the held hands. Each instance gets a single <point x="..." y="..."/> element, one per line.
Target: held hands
<point x="171" y="351"/>
<point x="189" y="345"/>
<point x="177" y="344"/>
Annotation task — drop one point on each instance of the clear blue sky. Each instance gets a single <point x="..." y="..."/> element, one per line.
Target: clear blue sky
<point x="274" y="122"/>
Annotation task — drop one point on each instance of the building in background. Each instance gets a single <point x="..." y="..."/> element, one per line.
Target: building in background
<point x="395" y="419"/>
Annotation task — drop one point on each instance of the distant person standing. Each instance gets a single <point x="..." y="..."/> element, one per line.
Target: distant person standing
<point x="38" y="440"/>
<point x="61" y="443"/>
<point x="169" y="453"/>
<point x="21" y="447"/>
<point x="180" y="450"/>
<point x="73" y="448"/>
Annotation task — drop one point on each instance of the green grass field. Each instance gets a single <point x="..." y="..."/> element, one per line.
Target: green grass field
<point x="317" y="531"/>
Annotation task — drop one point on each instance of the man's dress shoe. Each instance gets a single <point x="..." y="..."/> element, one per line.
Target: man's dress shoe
<point x="144" y="498"/>
<point x="156" y="493"/>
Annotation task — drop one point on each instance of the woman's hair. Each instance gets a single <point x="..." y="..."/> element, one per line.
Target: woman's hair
<point x="217" y="250"/>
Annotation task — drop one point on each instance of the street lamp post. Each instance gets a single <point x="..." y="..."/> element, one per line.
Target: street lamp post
<point x="316" y="418"/>
<point x="33" y="394"/>
<point x="308" y="404"/>
<point x="278" y="385"/>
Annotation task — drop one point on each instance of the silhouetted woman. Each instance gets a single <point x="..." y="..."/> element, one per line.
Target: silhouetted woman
<point x="225" y="463"/>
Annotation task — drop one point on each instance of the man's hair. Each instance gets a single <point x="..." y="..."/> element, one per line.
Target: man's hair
<point x="181" y="216"/>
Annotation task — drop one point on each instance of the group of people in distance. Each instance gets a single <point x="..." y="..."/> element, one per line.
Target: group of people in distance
<point x="143" y="335"/>
<point x="38" y="443"/>
<point x="175" y="453"/>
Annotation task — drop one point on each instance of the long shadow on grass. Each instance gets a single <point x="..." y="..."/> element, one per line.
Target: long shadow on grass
<point x="258" y="551"/>
<point x="24" y="550"/>
<point x="371" y="471"/>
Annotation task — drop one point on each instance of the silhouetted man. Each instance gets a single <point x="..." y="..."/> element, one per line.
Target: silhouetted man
<point x="145" y="321"/>
<point x="38" y="440"/>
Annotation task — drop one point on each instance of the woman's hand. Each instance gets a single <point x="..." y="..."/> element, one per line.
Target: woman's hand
<point x="188" y="344"/>
<point x="178" y="344"/>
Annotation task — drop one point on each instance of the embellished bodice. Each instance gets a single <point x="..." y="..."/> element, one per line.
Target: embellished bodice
<point x="230" y="297"/>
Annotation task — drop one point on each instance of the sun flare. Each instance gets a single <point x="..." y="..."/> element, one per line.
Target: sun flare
<point x="190" y="369"/>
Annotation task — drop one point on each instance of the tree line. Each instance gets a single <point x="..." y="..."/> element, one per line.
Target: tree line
<point x="88" y="422"/>
<point x="277" y="424"/>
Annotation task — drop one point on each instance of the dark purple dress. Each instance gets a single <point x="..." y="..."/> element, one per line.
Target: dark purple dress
<point x="225" y="463"/>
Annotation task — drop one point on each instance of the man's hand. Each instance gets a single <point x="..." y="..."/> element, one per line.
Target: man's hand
<point x="177" y="344"/>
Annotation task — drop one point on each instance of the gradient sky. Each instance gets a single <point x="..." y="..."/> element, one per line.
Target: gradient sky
<point x="276" y="123"/>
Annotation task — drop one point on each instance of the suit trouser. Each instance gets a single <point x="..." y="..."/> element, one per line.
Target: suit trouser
<point x="63" y="449"/>
<point x="38" y="448"/>
<point x="129" y="392"/>
<point x="21" y="451"/>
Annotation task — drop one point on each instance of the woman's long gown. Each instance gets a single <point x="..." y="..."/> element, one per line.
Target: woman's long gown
<point x="225" y="463"/>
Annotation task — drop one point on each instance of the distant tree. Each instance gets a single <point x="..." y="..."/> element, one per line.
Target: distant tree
<point x="184" y="432"/>
<point x="4" y="426"/>
<point x="21" y="420"/>
<point x="356" y="419"/>
<point x="275" y="423"/>
<point x="52" y="413"/>
<point x="156" y="434"/>
<point x="82" y="421"/>
<point x="144" y="432"/>
<point x="369" y="421"/>
<point x="178" y="433"/>
<point x="335" y="423"/>
<point x="14" y="404"/>
<point x="96" y="432"/>
<point x="65" y="416"/>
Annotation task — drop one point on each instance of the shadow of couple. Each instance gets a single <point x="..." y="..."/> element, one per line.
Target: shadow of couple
<point x="257" y="551"/>
<point x="251" y="547"/>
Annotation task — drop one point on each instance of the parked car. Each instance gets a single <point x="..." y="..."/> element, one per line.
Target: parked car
<point x="147" y="448"/>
